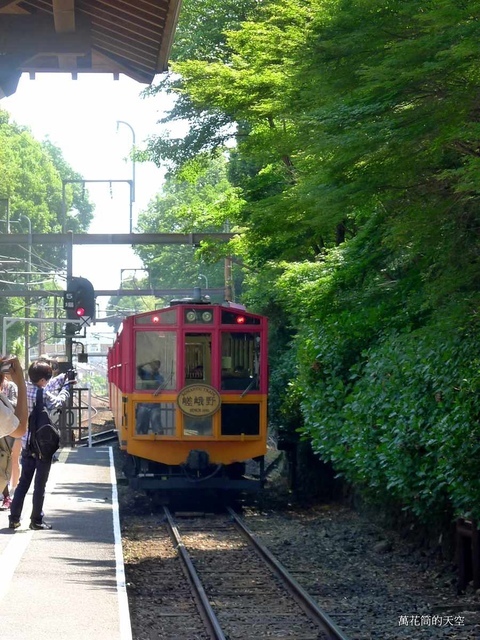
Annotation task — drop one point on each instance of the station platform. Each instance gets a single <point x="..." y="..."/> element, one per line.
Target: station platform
<point x="67" y="583"/>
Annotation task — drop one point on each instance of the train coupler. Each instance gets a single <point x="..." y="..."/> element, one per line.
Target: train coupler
<point x="197" y="460"/>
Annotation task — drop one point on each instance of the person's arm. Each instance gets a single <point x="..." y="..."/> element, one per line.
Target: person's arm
<point x="55" y="384"/>
<point x="11" y="392"/>
<point x="56" y="400"/>
<point x="21" y="410"/>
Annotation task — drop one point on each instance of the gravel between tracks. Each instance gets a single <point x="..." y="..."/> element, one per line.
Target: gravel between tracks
<point x="373" y="583"/>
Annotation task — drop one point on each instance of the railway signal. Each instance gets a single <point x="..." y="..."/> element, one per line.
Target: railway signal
<point x="79" y="300"/>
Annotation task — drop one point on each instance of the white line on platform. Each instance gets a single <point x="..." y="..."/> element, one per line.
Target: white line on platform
<point x="13" y="552"/>
<point x="11" y="556"/>
<point x="125" y="622"/>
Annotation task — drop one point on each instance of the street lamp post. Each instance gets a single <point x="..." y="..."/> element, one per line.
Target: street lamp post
<point x="132" y="185"/>
<point x="200" y="275"/>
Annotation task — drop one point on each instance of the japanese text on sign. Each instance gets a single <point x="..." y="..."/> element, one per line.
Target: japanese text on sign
<point x="199" y="400"/>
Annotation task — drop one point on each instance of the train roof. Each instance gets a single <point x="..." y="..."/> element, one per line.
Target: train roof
<point x="236" y="314"/>
<point x="198" y="298"/>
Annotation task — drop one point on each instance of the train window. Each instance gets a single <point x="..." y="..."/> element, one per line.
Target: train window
<point x="238" y="419"/>
<point x="198" y="348"/>
<point x="158" y="318"/>
<point x="197" y="426"/>
<point x="155" y="418"/>
<point x="240" y="361"/>
<point x="155" y="360"/>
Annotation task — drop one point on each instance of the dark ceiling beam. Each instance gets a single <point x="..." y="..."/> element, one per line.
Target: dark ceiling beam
<point x="8" y="79"/>
<point x="34" y="35"/>
<point x="12" y="7"/>
<point x="133" y="11"/>
<point x="64" y="15"/>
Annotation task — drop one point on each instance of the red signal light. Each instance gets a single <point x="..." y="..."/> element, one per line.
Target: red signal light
<point x="155" y="319"/>
<point x="80" y="311"/>
<point x="240" y="319"/>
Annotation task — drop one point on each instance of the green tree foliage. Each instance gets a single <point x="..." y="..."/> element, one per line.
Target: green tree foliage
<point x="198" y="199"/>
<point x="31" y="193"/>
<point x="201" y="34"/>
<point x="356" y="173"/>
<point x="78" y="208"/>
<point x="119" y="307"/>
<point x="32" y="182"/>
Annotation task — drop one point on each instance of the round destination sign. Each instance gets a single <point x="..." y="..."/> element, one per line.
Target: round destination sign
<point x="198" y="400"/>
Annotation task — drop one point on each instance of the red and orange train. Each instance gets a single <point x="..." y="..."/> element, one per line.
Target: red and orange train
<point x="188" y="390"/>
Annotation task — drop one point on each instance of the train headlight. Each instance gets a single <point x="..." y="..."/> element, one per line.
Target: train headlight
<point x="191" y="316"/>
<point x="207" y="316"/>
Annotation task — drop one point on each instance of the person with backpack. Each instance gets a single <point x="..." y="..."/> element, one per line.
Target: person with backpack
<point x="36" y="455"/>
<point x="13" y="419"/>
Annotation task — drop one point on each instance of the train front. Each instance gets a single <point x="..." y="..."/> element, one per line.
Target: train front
<point x="188" y="387"/>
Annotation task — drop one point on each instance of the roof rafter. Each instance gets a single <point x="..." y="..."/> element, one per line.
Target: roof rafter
<point x="85" y="36"/>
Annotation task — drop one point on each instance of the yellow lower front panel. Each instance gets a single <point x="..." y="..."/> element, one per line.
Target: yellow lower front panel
<point x="168" y="439"/>
<point x="175" y="453"/>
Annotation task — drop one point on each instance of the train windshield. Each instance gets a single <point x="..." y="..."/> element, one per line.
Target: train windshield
<point x="156" y="362"/>
<point x="240" y="361"/>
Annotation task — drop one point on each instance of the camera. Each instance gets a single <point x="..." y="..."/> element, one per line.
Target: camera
<point x="5" y="367"/>
<point x="71" y="374"/>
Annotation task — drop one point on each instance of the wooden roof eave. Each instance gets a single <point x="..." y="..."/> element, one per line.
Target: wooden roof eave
<point x="168" y="35"/>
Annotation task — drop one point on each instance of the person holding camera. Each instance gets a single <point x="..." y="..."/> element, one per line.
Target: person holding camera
<point x="13" y="419"/>
<point x="9" y="390"/>
<point x="55" y="396"/>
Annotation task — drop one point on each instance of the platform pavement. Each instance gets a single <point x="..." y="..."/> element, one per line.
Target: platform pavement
<point x="67" y="583"/>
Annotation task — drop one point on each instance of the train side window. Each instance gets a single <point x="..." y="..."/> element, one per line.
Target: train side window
<point x="155" y="360"/>
<point x="240" y="361"/>
<point x="155" y="418"/>
<point x="240" y="419"/>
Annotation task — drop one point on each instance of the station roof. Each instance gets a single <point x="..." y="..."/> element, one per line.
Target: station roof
<point x="132" y="37"/>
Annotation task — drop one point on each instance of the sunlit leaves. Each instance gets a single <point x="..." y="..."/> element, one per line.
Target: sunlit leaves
<point x="356" y="175"/>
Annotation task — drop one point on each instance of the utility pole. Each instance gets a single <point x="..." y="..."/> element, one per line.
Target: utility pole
<point x="228" y="272"/>
<point x="69" y="338"/>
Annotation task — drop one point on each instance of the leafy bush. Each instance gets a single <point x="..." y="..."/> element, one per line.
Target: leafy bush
<point x="403" y="424"/>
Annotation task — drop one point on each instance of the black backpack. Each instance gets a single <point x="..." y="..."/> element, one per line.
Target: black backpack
<point x="43" y="437"/>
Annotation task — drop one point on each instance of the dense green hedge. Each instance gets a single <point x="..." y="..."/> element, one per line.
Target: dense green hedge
<point x="404" y="426"/>
<point x="383" y="388"/>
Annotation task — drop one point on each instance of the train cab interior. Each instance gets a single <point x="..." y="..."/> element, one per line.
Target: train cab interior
<point x="240" y="361"/>
<point x="198" y="358"/>
<point x="155" y="360"/>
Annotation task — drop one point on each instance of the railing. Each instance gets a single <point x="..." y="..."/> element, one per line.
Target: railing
<point x="71" y="419"/>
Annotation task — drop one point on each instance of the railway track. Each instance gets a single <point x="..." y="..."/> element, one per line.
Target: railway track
<point x="100" y="438"/>
<point x="240" y="589"/>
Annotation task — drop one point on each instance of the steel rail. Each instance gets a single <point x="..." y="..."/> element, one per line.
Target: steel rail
<point x="206" y="612"/>
<point x="305" y="601"/>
